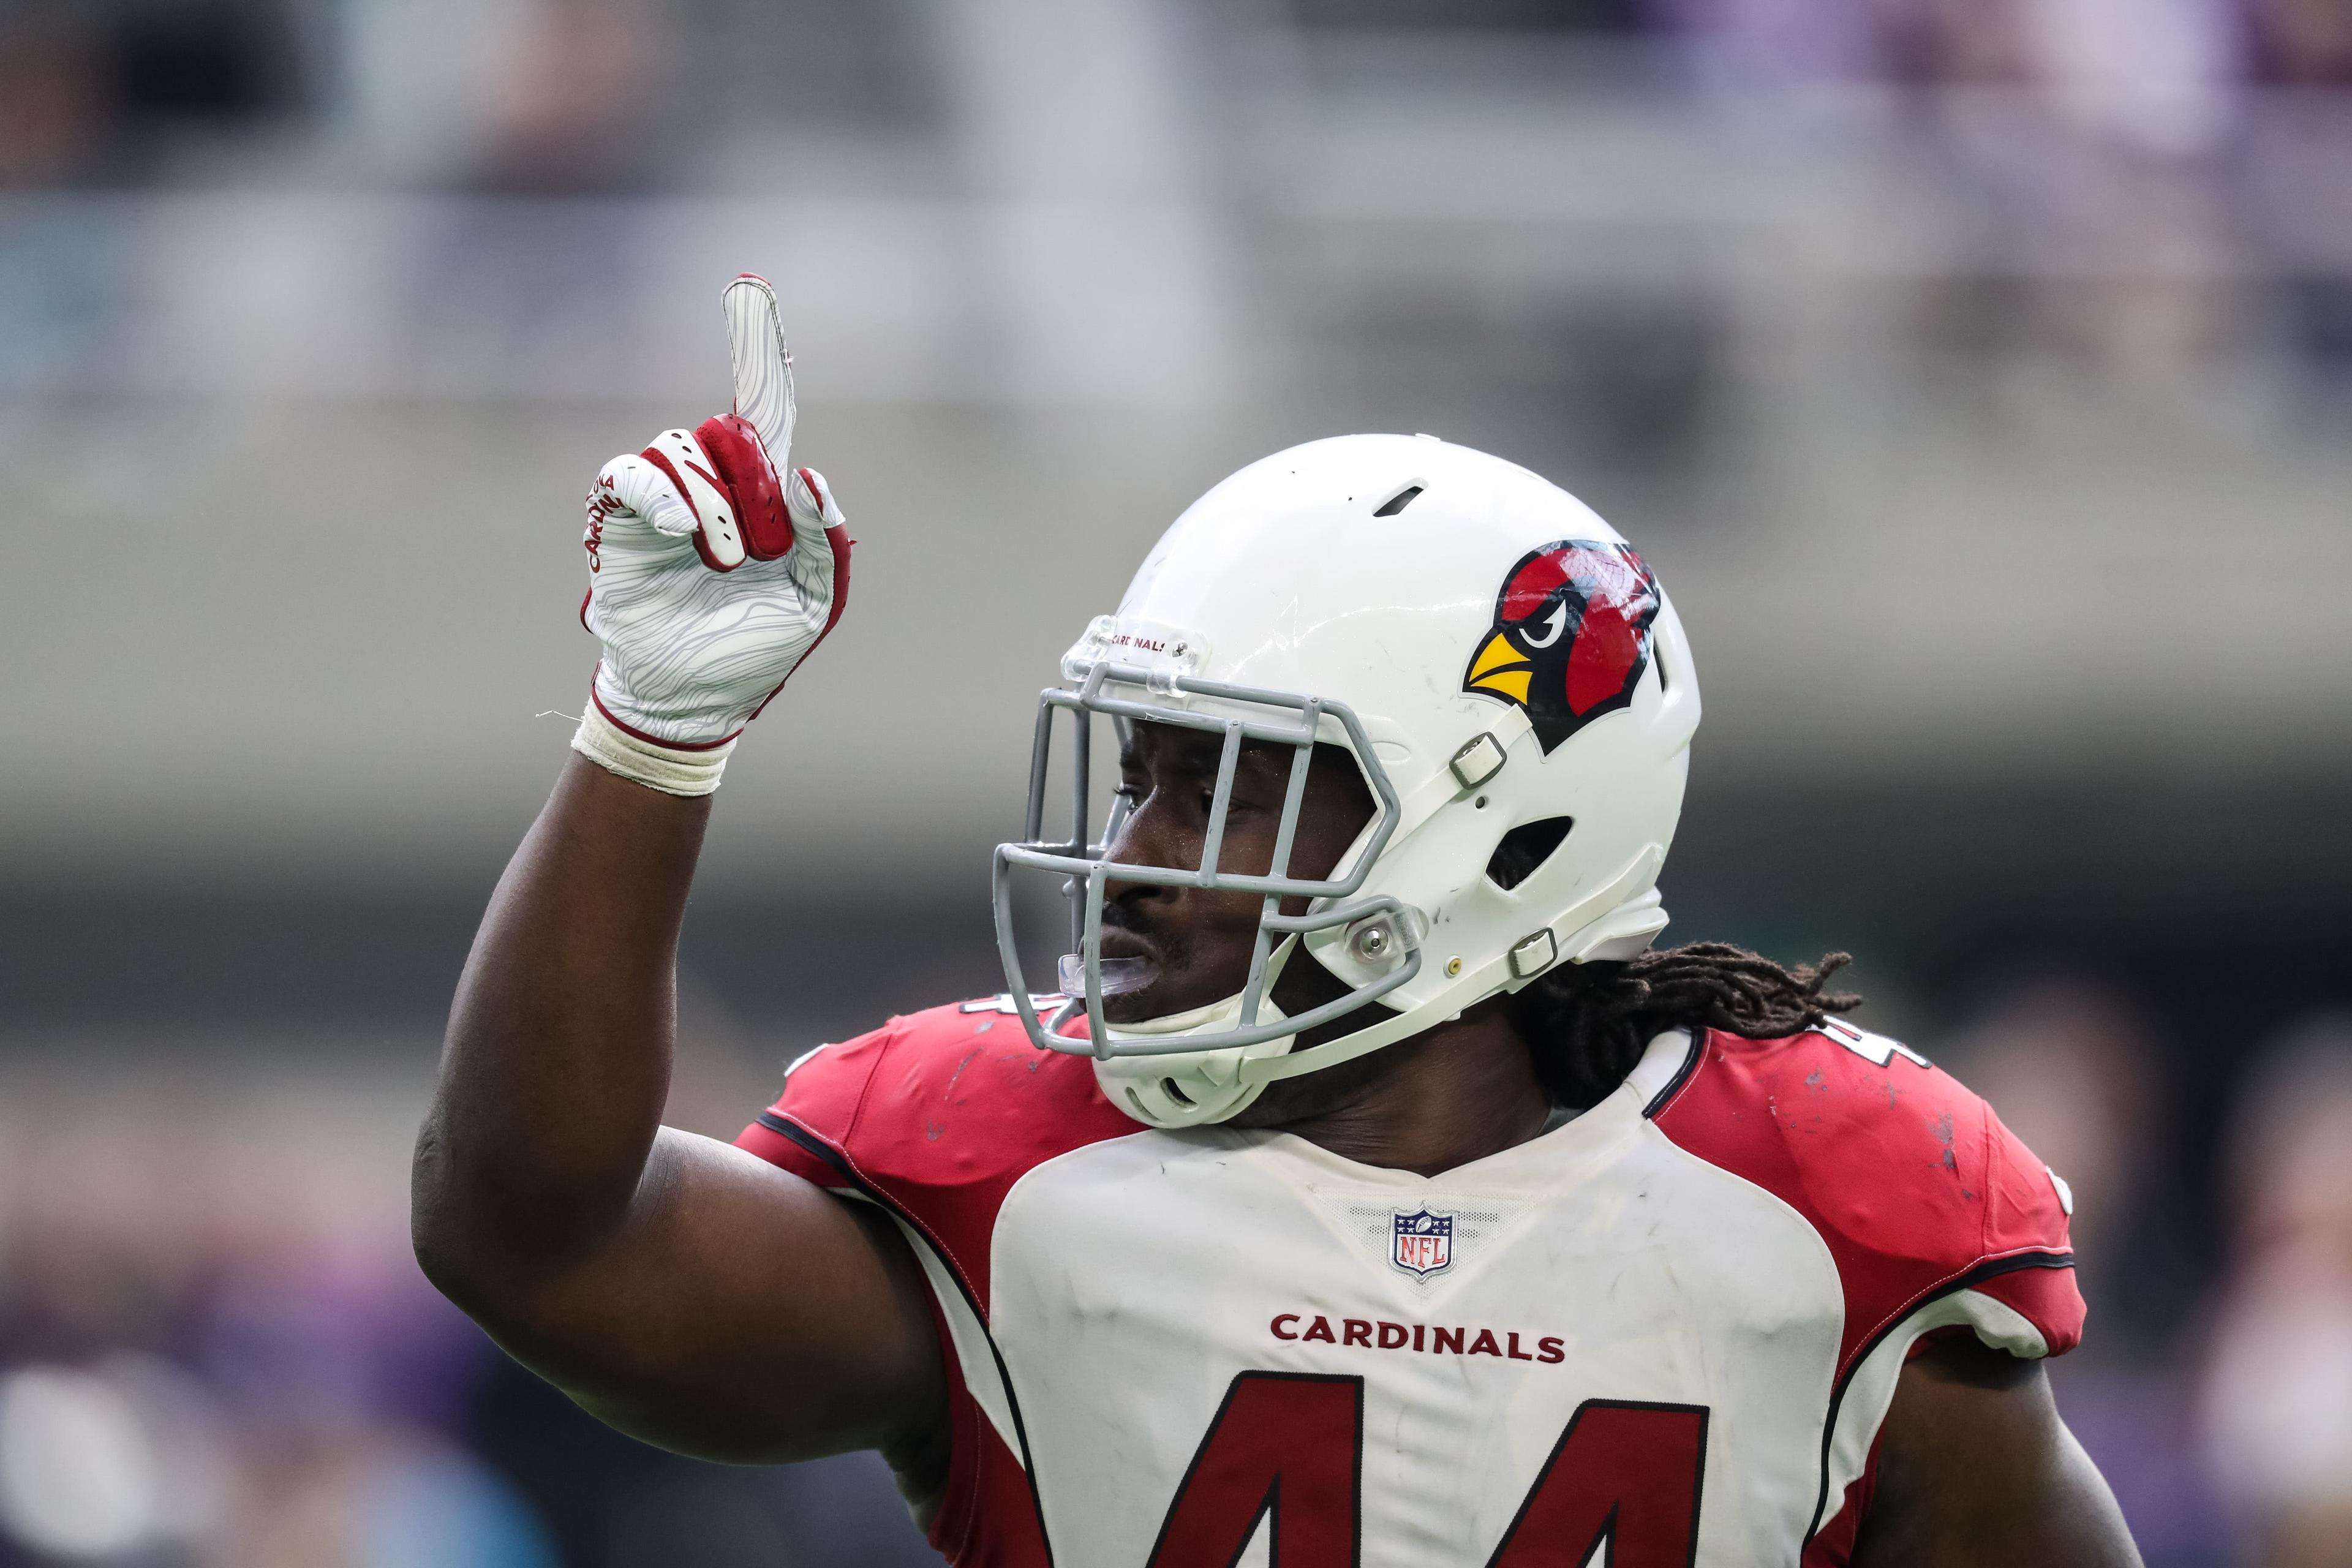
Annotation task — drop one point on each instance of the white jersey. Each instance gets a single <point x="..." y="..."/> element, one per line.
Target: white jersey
<point x="1664" y="1332"/>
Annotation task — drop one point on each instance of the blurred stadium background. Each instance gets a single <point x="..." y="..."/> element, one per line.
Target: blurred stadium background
<point x="1978" y="373"/>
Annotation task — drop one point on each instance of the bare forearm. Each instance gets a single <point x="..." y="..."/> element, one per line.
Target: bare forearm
<point x="558" y="1056"/>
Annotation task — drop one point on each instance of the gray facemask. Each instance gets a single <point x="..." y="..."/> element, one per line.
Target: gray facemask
<point x="1239" y="714"/>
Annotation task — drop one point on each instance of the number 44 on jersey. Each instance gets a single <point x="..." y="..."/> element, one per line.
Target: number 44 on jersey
<point x="1285" y="1451"/>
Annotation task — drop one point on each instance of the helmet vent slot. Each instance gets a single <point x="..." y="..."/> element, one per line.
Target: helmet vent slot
<point x="1525" y="848"/>
<point x="1178" y="1095"/>
<point x="1397" y="502"/>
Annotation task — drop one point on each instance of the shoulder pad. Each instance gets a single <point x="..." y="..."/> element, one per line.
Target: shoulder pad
<point x="936" y="1115"/>
<point x="1910" y="1180"/>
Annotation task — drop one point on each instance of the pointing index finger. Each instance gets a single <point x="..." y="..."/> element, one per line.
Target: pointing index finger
<point x="763" y="367"/>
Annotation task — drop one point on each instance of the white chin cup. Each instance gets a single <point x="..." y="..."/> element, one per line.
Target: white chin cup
<point x="1192" y="1089"/>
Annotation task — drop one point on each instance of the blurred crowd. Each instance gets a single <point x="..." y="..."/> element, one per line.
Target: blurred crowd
<point x="2128" y="157"/>
<point x="2157" y="189"/>
<point x="216" y="1352"/>
<point x="2214" y="1242"/>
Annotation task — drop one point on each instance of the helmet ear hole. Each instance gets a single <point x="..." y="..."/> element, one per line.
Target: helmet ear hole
<point x="1525" y="848"/>
<point x="1168" y="1086"/>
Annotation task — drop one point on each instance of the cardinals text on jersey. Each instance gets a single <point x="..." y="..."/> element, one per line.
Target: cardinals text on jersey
<point x="1674" y="1323"/>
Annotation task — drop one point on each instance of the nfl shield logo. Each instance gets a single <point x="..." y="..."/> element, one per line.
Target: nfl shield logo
<point x="1423" y="1243"/>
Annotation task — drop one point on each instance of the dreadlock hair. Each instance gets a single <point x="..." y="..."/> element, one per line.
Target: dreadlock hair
<point x="1588" y="1024"/>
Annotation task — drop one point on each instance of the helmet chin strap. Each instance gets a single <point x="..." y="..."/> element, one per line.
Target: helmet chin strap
<point x="1389" y="1031"/>
<point x="1592" y="927"/>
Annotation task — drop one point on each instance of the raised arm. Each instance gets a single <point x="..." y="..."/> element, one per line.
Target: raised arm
<point x="683" y="1290"/>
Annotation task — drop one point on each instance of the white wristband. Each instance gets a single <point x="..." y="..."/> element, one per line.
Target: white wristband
<point x="669" y="769"/>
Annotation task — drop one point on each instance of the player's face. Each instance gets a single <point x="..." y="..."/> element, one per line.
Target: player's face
<point x="1197" y="942"/>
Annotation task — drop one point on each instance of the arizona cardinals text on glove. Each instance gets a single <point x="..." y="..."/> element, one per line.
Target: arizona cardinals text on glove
<point x="712" y="572"/>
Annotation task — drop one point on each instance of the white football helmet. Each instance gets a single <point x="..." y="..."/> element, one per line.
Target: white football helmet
<point x="1492" y="653"/>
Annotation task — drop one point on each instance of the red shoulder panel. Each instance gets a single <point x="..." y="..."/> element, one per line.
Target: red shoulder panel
<point x="936" y="1115"/>
<point x="987" y="1515"/>
<point x="823" y="1089"/>
<point x="1911" y="1180"/>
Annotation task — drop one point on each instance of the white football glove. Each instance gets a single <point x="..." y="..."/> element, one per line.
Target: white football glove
<point x="712" y="572"/>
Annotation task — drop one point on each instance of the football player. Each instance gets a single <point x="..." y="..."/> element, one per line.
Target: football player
<point x="1373" y="1192"/>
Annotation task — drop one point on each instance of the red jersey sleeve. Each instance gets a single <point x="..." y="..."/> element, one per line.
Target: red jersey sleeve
<point x="1911" y="1182"/>
<point x="2027" y="1219"/>
<point x="933" y="1118"/>
<point x="1936" y="1218"/>
<point x="807" y="1129"/>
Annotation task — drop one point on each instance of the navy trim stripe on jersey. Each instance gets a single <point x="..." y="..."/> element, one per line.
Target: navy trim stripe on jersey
<point x="2000" y="1266"/>
<point x="1990" y="1269"/>
<point x="810" y="1142"/>
<point x="1658" y="1102"/>
<point x="785" y="1127"/>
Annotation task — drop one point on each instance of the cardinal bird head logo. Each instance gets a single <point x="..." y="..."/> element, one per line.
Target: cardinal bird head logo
<point x="1572" y="635"/>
